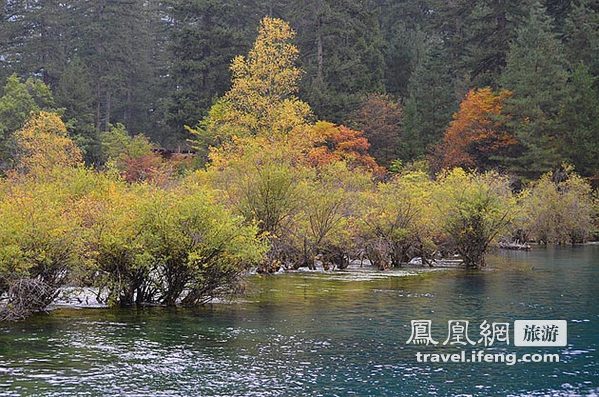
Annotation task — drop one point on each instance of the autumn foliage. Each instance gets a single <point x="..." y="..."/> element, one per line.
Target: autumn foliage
<point x="340" y="143"/>
<point x="380" y="117"/>
<point x="477" y="132"/>
<point x="43" y="143"/>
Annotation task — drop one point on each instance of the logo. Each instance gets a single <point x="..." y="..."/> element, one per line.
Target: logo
<point x="540" y="333"/>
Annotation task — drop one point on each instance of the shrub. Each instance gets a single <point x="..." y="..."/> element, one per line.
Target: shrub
<point x="558" y="211"/>
<point x="395" y="223"/>
<point x="164" y="246"/>
<point x="473" y="210"/>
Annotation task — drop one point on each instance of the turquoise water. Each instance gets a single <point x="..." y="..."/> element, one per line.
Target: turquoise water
<point x="310" y="334"/>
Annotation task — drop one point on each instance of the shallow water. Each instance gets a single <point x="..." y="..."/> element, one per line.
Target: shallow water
<point x="319" y="334"/>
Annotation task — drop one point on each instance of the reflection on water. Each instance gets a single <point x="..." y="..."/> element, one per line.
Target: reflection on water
<point x="318" y="334"/>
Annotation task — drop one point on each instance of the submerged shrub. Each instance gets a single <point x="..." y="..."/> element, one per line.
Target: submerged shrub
<point x="394" y="224"/>
<point x="41" y="239"/>
<point x="166" y="246"/>
<point x="474" y="210"/>
<point x="558" y="211"/>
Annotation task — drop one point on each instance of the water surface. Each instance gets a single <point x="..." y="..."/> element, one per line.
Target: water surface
<point x="312" y="334"/>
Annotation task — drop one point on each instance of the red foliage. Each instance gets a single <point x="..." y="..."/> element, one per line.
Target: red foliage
<point x="148" y="167"/>
<point x="342" y="143"/>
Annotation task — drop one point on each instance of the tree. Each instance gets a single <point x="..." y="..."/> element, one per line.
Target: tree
<point x="536" y="74"/>
<point x="474" y="210"/>
<point x="74" y="93"/>
<point x="394" y="221"/>
<point x="42" y="144"/>
<point x="339" y="143"/>
<point x="491" y="26"/>
<point x="477" y="133"/>
<point x="380" y="117"/>
<point x="558" y="210"/>
<point x="581" y="36"/>
<point x="262" y="98"/>
<point x="134" y="157"/>
<point x="18" y="102"/>
<point x="341" y="53"/>
<point x="579" y="119"/>
<point x="404" y="27"/>
<point x="430" y="104"/>
<point x="164" y="246"/>
<point x="206" y="36"/>
<point x="41" y="242"/>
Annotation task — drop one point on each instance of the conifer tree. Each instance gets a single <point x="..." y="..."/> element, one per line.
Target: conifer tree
<point x="341" y="53"/>
<point x="579" y="121"/>
<point x="430" y="104"/>
<point x="536" y="73"/>
<point x="581" y="36"/>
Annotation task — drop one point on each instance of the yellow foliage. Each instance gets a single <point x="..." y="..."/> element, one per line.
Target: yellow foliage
<point x="43" y="144"/>
<point x="262" y="98"/>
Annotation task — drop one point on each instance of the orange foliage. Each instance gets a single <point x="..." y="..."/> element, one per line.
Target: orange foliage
<point x="153" y="168"/>
<point x="336" y="143"/>
<point x="477" y="132"/>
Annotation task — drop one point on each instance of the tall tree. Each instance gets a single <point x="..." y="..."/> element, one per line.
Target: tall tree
<point x="404" y="27"/>
<point x="262" y="100"/>
<point x="380" y="117"/>
<point x="341" y="53"/>
<point x="579" y="120"/>
<point x="536" y="73"/>
<point x="581" y="36"/>
<point x="477" y="132"/>
<point x="430" y="104"/>
<point x="206" y="36"/>
<point x="491" y="27"/>
<point x="74" y="93"/>
<point x="36" y="37"/>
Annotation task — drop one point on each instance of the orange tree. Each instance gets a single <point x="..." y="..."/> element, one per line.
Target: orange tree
<point x="477" y="135"/>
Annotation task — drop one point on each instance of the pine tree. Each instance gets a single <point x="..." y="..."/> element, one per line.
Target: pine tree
<point x="536" y="73"/>
<point x="34" y="38"/>
<point x="579" y="119"/>
<point x="581" y="36"/>
<point x="206" y="36"/>
<point x="491" y="27"/>
<point x="74" y="93"/>
<point x="430" y="104"/>
<point x="341" y="53"/>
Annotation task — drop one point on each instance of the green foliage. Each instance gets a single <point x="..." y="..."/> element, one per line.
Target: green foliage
<point x="165" y="246"/>
<point x="430" y="103"/>
<point x="559" y="211"/>
<point x="491" y="26"/>
<point x="394" y="222"/>
<point x="474" y="209"/>
<point x="207" y="36"/>
<point x="19" y="100"/>
<point x="42" y="240"/>
<point x="337" y="76"/>
<point x="117" y="144"/>
<point x="581" y="36"/>
<point x="139" y="243"/>
<point x="536" y="73"/>
<point x="74" y="92"/>
<point x="579" y="121"/>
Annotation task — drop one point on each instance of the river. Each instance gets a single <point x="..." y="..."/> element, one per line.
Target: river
<point x="315" y="334"/>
